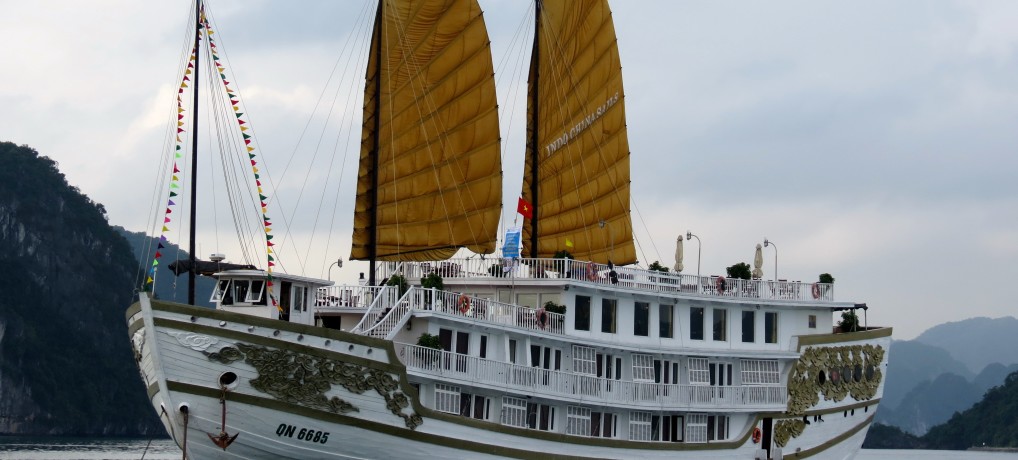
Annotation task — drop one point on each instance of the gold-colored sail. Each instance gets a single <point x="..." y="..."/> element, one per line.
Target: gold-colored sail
<point x="431" y="133"/>
<point x="577" y="147"/>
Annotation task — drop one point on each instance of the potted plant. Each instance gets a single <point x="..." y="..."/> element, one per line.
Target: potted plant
<point x="849" y="321"/>
<point x="552" y="307"/>
<point x="398" y="280"/>
<point x="656" y="266"/>
<point x="564" y="264"/>
<point x="740" y="271"/>
<point x="424" y="355"/>
<point x="431" y="281"/>
<point x="824" y="283"/>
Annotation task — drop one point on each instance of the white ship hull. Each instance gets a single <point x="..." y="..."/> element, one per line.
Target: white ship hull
<point x="276" y="411"/>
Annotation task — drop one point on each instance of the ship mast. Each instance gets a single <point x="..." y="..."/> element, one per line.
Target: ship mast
<point x="194" y="153"/>
<point x="535" y="157"/>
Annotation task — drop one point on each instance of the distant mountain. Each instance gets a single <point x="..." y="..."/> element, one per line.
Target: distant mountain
<point x="977" y="342"/>
<point x="66" y="365"/>
<point x="168" y="286"/>
<point x="992" y="422"/>
<point x="882" y="436"/>
<point x="931" y="403"/>
<point x="912" y="363"/>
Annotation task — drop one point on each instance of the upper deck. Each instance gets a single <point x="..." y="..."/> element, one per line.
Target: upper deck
<point x="568" y="271"/>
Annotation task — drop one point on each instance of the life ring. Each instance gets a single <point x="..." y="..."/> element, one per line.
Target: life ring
<point x="541" y="316"/>
<point x="720" y="284"/>
<point x="816" y="291"/>
<point x="756" y="435"/>
<point x="591" y="273"/>
<point x="464" y="304"/>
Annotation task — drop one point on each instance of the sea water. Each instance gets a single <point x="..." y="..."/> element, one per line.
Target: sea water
<point x="22" y="448"/>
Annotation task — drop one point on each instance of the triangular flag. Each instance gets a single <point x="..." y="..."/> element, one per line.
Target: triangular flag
<point x="165" y="229"/>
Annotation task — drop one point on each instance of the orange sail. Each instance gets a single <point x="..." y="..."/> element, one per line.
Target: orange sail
<point x="577" y="170"/>
<point x="430" y="177"/>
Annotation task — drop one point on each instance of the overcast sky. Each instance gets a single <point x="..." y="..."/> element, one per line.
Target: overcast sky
<point x="873" y="140"/>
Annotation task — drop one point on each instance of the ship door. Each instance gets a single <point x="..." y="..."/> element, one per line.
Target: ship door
<point x="767" y="430"/>
<point x="720" y="377"/>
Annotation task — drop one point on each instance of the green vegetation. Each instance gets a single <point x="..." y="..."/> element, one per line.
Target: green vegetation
<point x="740" y="270"/>
<point x="656" y="266"/>
<point x="432" y="281"/>
<point x="429" y="341"/>
<point x="826" y="278"/>
<point x="67" y="278"/>
<point x="992" y="422"/>
<point x="849" y="321"/>
<point x="552" y="307"/>
<point x="399" y="280"/>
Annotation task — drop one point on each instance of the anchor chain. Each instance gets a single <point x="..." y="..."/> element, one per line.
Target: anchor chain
<point x="223" y="440"/>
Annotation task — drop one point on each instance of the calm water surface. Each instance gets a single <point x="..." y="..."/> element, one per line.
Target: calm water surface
<point x="163" y="449"/>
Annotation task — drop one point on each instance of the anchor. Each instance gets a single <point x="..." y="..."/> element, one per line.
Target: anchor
<point x="224" y="439"/>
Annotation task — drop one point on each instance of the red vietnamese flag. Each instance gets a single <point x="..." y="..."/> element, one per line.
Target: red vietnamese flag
<point x="524" y="207"/>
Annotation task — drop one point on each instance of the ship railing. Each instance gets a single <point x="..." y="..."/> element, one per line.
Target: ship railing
<point x="534" y="380"/>
<point x="478" y="308"/>
<point x="385" y="299"/>
<point x="336" y="297"/>
<point x="628" y="277"/>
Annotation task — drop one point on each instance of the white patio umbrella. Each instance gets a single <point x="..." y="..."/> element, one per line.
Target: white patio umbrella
<point x="678" y="254"/>
<point x="758" y="262"/>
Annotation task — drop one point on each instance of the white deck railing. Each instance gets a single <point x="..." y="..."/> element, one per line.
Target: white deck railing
<point x="452" y="303"/>
<point x="332" y="297"/>
<point x="536" y="381"/>
<point x="628" y="277"/>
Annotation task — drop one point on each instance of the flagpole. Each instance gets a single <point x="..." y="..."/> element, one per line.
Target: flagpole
<point x="194" y="153"/>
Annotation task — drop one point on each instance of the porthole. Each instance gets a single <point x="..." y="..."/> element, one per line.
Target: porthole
<point x="228" y="380"/>
<point x="857" y="372"/>
<point x="869" y="372"/>
<point x="835" y="376"/>
<point x="821" y="378"/>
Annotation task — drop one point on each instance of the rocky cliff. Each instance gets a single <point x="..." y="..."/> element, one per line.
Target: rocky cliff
<point x="66" y="278"/>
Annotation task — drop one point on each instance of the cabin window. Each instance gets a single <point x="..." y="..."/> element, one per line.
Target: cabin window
<point x="540" y="417"/>
<point x="720" y="324"/>
<point x="760" y="372"/>
<point x="475" y="406"/>
<point x="581" y="320"/>
<point x="584" y="361"/>
<point x="666" y="316"/>
<point x="240" y="290"/>
<point x="514" y="412"/>
<point x="222" y="292"/>
<point x="447" y="398"/>
<point x="748" y="326"/>
<point x="609" y="309"/>
<point x="696" y="428"/>
<point x="643" y="368"/>
<point x="771" y="327"/>
<point x="299" y="302"/>
<point x="641" y="426"/>
<point x="578" y="421"/>
<point x="527" y="300"/>
<point x="717" y="427"/>
<point x="666" y="372"/>
<point x="696" y="323"/>
<point x="483" y="352"/>
<point x="812" y="321"/>
<point x="602" y="425"/>
<point x="699" y="371"/>
<point x="254" y="295"/>
<point x="641" y="319"/>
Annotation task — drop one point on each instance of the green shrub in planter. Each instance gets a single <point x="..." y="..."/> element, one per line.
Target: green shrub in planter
<point x="552" y="307"/>
<point x="826" y="278"/>
<point x="399" y="280"/>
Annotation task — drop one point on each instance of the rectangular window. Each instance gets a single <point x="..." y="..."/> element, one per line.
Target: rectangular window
<point x="696" y="428"/>
<point x="581" y="322"/>
<point x="578" y="421"/>
<point x="748" y="326"/>
<point x="255" y="294"/>
<point x="608" y="315"/>
<point x="474" y="406"/>
<point x="483" y="353"/>
<point x="514" y="412"/>
<point x="771" y="327"/>
<point x="299" y="299"/>
<point x="666" y="315"/>
<point x="812" y="321"/>
<point x="696" y="323"/>
<point x="512" y="350"/>
<point x="641" y="319"/>
<point x="223" y="289"/>
<point x="643" y="368"/>
<point x="760" y="372"/>
<point x="717" y="427"/>
<point x="699" y="373"/>
<point x="447" y="398"/>
<point x="720" y="324"/>
<point x="240" y="289"/>
<point x="602" y="425"/>
<point x="540" y="417"/>
<point x="584" y="360"/>
<point x="641" y="426"/>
